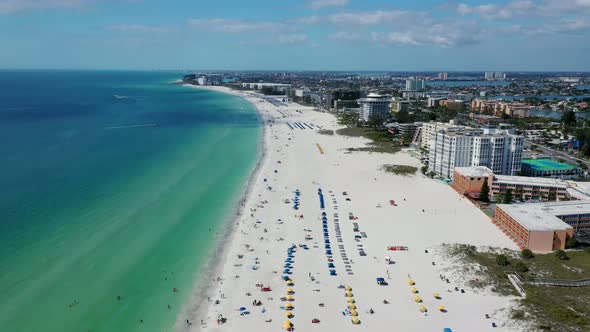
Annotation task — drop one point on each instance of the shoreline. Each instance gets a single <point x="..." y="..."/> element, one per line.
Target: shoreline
<point x="359" y="221"/>
<point x="226" y="231"/>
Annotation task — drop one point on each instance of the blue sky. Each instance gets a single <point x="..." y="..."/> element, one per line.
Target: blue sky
<point x="445" y="35"/>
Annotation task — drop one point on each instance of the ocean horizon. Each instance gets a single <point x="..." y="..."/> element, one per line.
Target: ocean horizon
<point x="115" y="185"/>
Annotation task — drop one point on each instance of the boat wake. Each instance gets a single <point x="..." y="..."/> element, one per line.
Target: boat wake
<point x="132" y="126"/>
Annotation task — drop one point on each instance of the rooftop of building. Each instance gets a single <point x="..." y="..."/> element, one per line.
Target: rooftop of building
<point x="546" y="165"/>
<point x="475" y="171"/>
<point x="374" y="95"/>
<point x="531" y="181"/>
<point x="543" y="216"/>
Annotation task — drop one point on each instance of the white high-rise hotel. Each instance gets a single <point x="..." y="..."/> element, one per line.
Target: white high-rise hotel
<point x="499" y="150"/>
<point x="373" y="104"/>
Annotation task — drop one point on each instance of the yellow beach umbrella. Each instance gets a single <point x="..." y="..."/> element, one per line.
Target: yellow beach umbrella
<point x="351" y="306"/>
<point x="355" y="320"/>
<point x="290" y="291"/>
<point x="418" y="299"/>
<point x="290" y="298"/>
<point x="290" y="282"/>
<point x="287" y="324"/>
<point x="353" y="313"/>
<point x="413" y="290"/>
<point x="289" y="314"/>
<point x="350" y="300"/>
<point x="441" y="308"/>
<point x="436" y="295"/>
<point x="422" y="308"/>
<point x="349" y="294"/>
<point x="288" y="306"/>
<point x="411" y="282"/>
<point x="348" y="288"/>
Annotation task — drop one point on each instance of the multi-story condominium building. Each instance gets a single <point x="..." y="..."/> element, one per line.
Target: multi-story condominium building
<point x="397" y="104"/>
<point x="469" y="180"/>
<point x="415" y="84"/>
<point x="430" y="128"/>
<point x="498" y="75"/>
<point x="339" y="105"/>
<point x="260" y="86"/>
<point x="408" y="129"/>
<point x="498" y="107"/>
<point x="373" y="104"/>
<point x="498" y="150"/>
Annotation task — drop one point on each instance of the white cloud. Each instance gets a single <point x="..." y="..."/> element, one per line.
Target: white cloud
<point x="235" y="26"/>
<point x="346" y="36"/>
<point x="492" y="11"/>
<point x="561" y="6"/>
<point x="446" y="34"/>
<point x="368" y="18"/>
<point x="575" y="25"/>
<point x="138" y="28"/>
<point x="527" y="8"/>
<point x="16" y="6"/>
<point x="293" y="38"/>
<point x="319" y="4"/>
<point x="464" y="9"/>
<point x="395" y="38"/>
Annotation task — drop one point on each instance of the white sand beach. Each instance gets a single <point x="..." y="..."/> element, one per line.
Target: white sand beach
<point x="427" y="214"/>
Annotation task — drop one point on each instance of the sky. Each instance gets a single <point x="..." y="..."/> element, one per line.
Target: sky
<point x="380" y="35"/>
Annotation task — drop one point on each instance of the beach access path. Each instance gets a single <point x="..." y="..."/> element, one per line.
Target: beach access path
<point x="427" y="214"/>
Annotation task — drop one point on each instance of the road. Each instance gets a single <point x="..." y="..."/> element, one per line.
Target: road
<point x="556" y="154"/>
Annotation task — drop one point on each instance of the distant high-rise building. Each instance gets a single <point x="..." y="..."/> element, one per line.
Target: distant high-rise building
<point x="443" y="76"/>
<point x="415" y="83"/>
<point x="498" y="75"/>
<point x="373" y="104"/>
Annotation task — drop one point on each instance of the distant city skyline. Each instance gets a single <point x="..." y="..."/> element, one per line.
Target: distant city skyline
<point x="340" y="35"/>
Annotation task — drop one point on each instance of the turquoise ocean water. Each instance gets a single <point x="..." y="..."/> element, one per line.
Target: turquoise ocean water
<point x="107" y="204"/>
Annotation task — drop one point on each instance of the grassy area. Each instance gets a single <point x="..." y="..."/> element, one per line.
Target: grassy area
<point x="548" y="308"/>
<point x="400" y="169"/>
<point x="370" y="133"/>
<point x="379" y="148"/>
<point x="558" y="309"/>
<point x="381" y="142"/>
<point x="492" y="277"/>
<point x="326" y="132"/>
